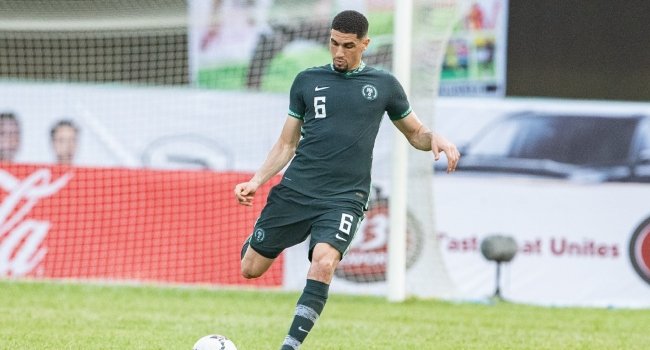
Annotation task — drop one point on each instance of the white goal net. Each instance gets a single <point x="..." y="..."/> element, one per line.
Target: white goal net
<point x="169" y="103"/>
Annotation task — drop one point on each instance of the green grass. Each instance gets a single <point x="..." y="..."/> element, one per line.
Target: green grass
<point x="227" y="77"/>
<point x="50" y="315"/>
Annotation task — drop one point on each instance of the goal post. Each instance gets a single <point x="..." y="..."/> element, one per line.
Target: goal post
<point x="412" y="175"/>
<point x="396" y="270"/>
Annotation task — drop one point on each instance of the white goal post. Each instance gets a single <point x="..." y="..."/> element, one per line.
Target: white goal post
<point x="396" y="270"/>
<point x="403" y="71"/>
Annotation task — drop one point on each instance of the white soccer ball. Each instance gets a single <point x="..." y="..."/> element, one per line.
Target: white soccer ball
<point x="214" y="342"/>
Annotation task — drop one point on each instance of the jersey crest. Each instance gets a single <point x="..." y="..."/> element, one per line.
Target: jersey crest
<point x="369" y="92"/>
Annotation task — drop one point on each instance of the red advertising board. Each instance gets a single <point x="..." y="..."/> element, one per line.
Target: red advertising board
<point x="126" y="224"/>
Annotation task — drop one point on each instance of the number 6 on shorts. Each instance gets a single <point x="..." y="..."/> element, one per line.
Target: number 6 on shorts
<point x="346" y="223"/>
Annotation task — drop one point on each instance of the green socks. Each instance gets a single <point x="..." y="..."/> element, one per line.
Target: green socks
<point x="310" y="305"/>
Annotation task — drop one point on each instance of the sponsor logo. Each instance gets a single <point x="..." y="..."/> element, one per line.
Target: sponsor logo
<point x="640" y="250"/>
<point x="302" y="329"/>
<point x="187" y="151"/>
<point x="547" y="246"/>
<point x="319" y="88"/>
<point x="258" y="235"/>
<point x="21" y="239"/>
<point x="369" y="92"/>
<point x="341" y="238"/>
<point x="367" y="259"/>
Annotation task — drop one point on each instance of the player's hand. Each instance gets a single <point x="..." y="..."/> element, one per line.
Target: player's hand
<point x="440" y="144"/>
<point x="245" y="192"/>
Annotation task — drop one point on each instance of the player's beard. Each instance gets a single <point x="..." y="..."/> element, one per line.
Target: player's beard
<point x="342" y="67"/>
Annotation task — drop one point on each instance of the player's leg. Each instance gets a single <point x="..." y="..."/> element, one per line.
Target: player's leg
<point x="267" y="242"/>
<point x="325" y="258"/>
<point x="283" y="223"/>
<point x="253" y="264"/>
<point x="331" y="237"/>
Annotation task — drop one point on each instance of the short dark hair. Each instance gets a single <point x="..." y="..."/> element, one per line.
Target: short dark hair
<point x="61" y="124"/>
<point x="351" y="22"/>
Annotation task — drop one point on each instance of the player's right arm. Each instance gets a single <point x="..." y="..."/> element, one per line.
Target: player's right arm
<point x="279" y="156"/>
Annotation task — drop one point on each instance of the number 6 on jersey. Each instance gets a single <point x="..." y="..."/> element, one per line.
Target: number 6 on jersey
<point x="319" y="107"/>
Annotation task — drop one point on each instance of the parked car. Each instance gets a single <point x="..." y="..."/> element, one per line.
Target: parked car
<point x="592" y="148"/>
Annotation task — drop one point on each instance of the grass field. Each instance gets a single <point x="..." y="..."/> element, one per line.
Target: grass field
<point x="51" y="315"/>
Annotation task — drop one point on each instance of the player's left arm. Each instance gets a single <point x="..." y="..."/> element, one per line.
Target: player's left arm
<point x="422" y="138"/>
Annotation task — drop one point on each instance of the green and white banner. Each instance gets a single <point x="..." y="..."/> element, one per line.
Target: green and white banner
<point x="459" y="46"/>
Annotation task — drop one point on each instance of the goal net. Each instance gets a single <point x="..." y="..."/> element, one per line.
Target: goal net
<point x="126" y="124"/>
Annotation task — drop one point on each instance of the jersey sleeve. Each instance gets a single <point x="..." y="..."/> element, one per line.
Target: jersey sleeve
<point x="398" y="105"/>
<point x="296" y="101"/>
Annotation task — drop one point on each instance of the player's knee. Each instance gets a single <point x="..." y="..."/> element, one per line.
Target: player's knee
<point x="247" y="275"/>
<point x="324" y="264"/>
<point x="248" y="272"/>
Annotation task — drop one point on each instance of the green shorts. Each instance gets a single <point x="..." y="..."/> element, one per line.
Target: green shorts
<point x="289" y="218"/>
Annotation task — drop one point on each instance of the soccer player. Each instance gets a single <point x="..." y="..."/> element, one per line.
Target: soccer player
<point x="329" y="135"/>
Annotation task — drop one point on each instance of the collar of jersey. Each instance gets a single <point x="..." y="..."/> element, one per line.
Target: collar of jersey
<point x="358" y="70"/>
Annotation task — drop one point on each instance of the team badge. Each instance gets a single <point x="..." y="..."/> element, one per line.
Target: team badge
<point x="640" y="250"/>
<point x="369" y="92"/>
<point x="258" y="235"/>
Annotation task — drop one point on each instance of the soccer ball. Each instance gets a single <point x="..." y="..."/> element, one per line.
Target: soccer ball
<point x="214" y="342"/>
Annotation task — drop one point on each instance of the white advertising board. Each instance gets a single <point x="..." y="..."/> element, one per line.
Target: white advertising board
<point x="582" y="236"/>
<point x="582" y="240"/>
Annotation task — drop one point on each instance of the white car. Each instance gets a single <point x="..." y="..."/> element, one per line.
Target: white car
<point x="592" y="148"/>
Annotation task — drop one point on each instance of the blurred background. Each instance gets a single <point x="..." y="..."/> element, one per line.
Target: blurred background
<point x="124" y="126"/>
<point x="593" y="49"/>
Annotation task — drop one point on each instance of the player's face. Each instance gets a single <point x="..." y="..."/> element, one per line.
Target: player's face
<point x="346" y="50"/>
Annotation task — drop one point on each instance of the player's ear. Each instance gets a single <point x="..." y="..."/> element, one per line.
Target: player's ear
<point x="365" y="42"/>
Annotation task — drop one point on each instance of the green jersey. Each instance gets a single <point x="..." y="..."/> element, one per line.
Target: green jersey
<point x="341" y="114"/>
